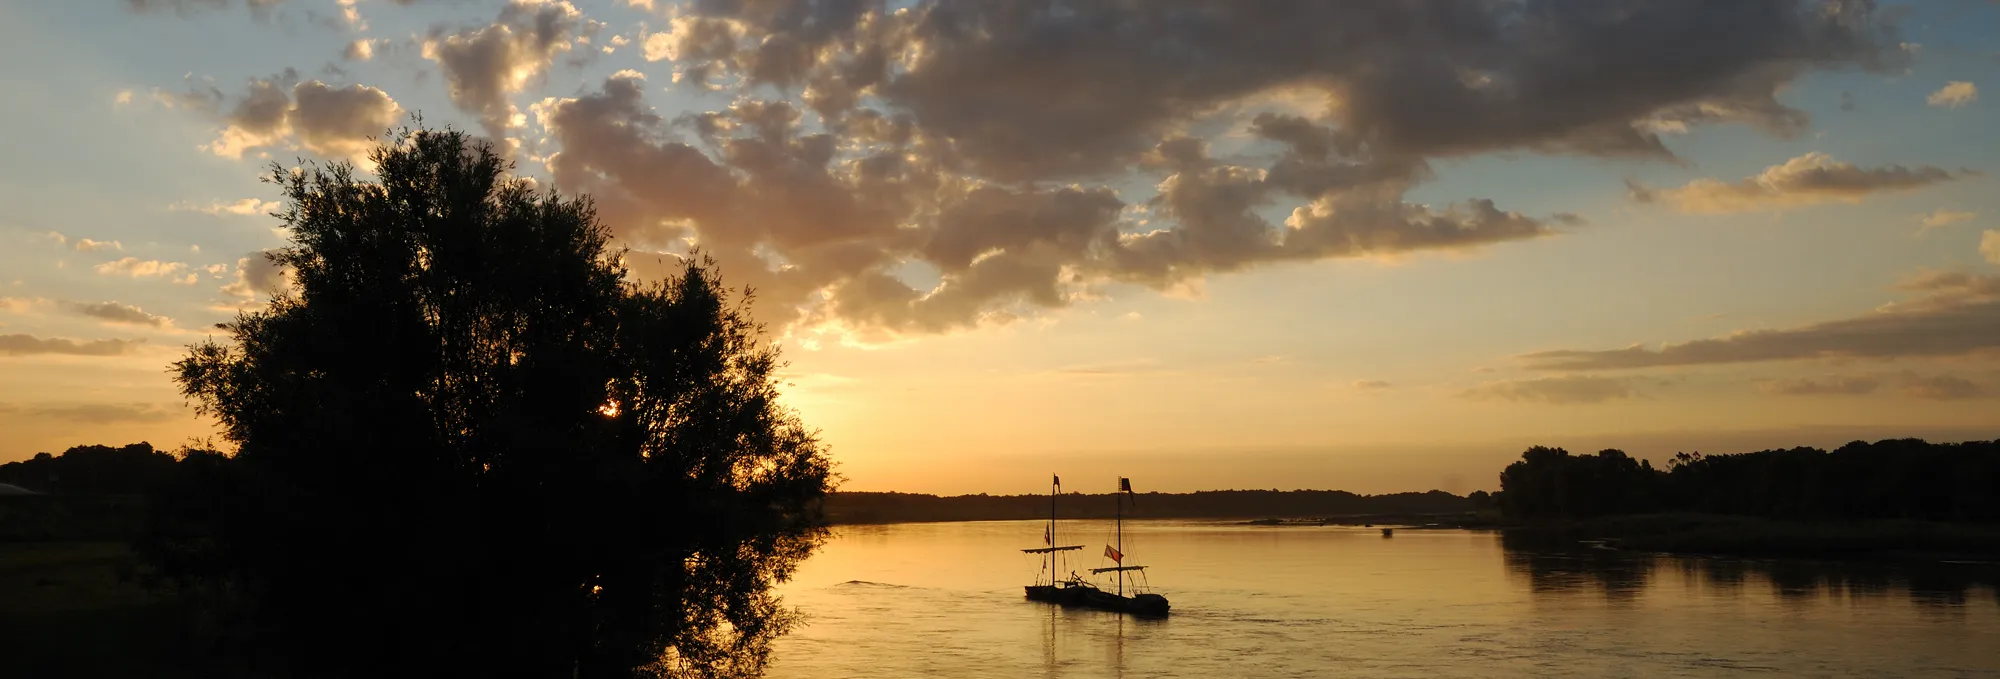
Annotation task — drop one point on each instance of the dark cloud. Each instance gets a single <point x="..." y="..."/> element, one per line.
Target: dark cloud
<point x="1832" y="386"/>
<point x="1941" y="387"/>
<point x="260" y="9"/>
<point x="1564" y="390"/>
<point x="29" y="345"/>
<point x="1955" y="314"/>
<point x="487" y="65"/>
<point x="1806" y="180"/>
<point x="126" y="314"/>
<point x="1027" y="88"/>
<point x="962" y="162"/>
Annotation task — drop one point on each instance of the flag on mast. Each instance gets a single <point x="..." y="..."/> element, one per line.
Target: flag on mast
<point x="1124" y="485"/>
<point x="1058" y="481"/>
<point x="1114" y="555"/>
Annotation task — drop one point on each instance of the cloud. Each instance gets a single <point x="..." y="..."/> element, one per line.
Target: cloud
<point x="1940" y="387"/>
<point x="1942" y="217"/>
<point x="29" y="345"/>
<point x="1117" y="369"/>
<point x="359" y="50"/>
<point x="106" y="413"/>
<point x="1953" y="95"/>
<point x="1989" y="245"/>
<point x="21" y="305"/>
<point x="120" y="314"/>
<point x="332" y="121"/>
<point x="1371" y="385"/>
<point x="1563" y="390"/>
<point x="952" y="164"/>
<point x="246" y="206"/>
<point x="487" y="65"/>
<point x="1831" y="386"/>
<point x="1955" y="314"/>
<point x="257" y="274"/>
<point x="141" y="268"/>
<point x="1810" y="179"/>
<point x="88" y="245"/>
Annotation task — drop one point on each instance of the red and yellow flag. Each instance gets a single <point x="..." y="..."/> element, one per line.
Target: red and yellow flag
<point x="1113" y="554"/>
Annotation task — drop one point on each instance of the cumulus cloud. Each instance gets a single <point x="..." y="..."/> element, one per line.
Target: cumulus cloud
<point x="1836" y="385"/>
<point x="257" y="274"/>
<point x="331" y="121"/>
<point x="120" y="314"/>
<point x="359" y="50"/>
<point x="485" y="66"/>
<point x="1563" y="390"/>
<point x="141" y="268"/>
<point x="948" y="164"/>
<point x="1810" y="179"/>
<point x="88" y="245"/>
<point x="29" y="345"/>
<point x="1954" y="94"/>
<point x="1940" y="387"/>
<point x="1953" y="314"/>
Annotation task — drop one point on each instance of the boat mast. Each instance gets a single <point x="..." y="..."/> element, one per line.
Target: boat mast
<point x="1118" y="502"/>
<point x="1055" y="486"/>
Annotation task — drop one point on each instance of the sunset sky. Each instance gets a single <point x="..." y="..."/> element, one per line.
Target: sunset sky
<point x="1376" y="246"/>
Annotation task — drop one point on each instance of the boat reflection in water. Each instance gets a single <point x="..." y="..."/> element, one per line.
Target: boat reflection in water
<point x="1074" y="590"/>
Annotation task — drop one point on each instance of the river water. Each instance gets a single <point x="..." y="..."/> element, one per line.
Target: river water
<point x="945" y="599"/>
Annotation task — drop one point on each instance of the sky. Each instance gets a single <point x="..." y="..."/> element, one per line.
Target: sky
<point x="1375" y="246"/>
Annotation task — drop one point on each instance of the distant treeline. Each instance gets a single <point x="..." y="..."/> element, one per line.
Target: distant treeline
<point x="1888" y="479"/>
<point x="135" y="469"/>
<point x="911" y="507"/>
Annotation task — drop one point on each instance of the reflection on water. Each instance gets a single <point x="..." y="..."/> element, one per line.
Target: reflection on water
<point x="1621" y="576"/>
<point x="945" y="600"/>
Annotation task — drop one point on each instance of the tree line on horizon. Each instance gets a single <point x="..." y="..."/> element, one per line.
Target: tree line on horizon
<point x="1887" y="479"/>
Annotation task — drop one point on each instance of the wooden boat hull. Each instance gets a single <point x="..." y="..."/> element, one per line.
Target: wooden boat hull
<point x="1143" y="605"/>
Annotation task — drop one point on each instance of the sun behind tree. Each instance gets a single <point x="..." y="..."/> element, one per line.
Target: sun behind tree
<point x="466" y="446"/>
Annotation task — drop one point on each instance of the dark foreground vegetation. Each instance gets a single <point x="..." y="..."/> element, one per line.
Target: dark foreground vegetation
<point x="1892" y="498"/>
<point x="464" y="445"/>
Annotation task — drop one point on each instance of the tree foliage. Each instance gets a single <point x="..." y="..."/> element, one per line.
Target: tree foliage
<point x="465" y="445"/>
<point x="1888" y="479"/>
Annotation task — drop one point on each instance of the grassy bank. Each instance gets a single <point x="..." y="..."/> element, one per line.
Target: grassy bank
<point x="1760" y="537"/>
<point x="77" y="609"/>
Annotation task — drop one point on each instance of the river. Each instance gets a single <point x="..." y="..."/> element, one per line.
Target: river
<point x="944" y="599"/>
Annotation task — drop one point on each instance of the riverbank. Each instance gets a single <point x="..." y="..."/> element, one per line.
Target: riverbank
<point x="1706" y="534"/>
<point x="1709" y="534"/>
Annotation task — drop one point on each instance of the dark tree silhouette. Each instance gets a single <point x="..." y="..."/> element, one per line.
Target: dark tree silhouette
<point x="1888" y="479"/>
<point x="467" y="447"/>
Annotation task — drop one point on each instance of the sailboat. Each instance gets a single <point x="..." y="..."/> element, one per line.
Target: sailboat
<point x="1054" y="589"/>
<point x="1139" y="602"/>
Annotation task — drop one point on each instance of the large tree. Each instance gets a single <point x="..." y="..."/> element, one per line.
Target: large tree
<point x="467" y="446"/>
